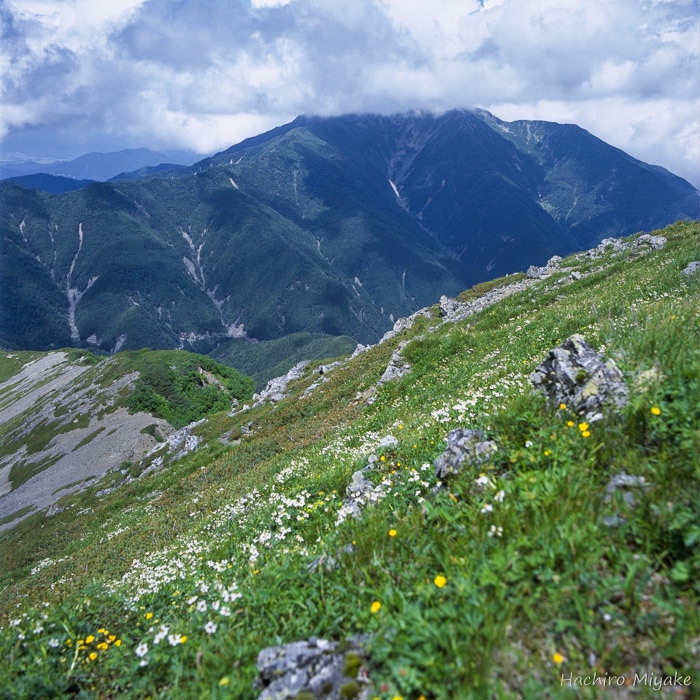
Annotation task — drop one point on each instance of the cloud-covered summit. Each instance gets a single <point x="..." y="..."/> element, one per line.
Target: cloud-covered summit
<point x="100" y="74"/>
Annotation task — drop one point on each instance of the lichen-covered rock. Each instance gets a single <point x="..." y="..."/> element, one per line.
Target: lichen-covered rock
<point x="314" y="669"/>
<point x="691" y="268"/>
<point x="464" y="446"/>
<point x="450" y="307"/>
<point x="574" y="374"/>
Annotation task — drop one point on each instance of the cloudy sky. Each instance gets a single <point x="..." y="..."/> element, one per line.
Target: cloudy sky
<point x="79" y="75"/>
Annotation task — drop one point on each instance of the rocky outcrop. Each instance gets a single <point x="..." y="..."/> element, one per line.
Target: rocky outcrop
<point x="691" y="268"/>
<point x="397" y="367"/>
<point x="465" y="447"/>
<point x="647" y="239"/>
<point x="314" y="669"/>
<point x="575" y="375"/>
<point x="275" y="389"/>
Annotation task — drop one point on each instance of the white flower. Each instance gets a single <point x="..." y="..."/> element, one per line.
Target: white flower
<point x="495" y="531"/>
<point x="191" y="600"/>
<point x="487" y="508"/>
<point x="53" y="642"/>
<point x="483" y="480"/>
<point x="202" y="606"/>
<point x="225" y="611"/>
<point x="174" y="639"/>
<point x="141" y="649"/>
<point x="38" y="628"/>
<point x="210" y="627"/>
<point x="500" y="496"/>
<point x="143" y="662"/>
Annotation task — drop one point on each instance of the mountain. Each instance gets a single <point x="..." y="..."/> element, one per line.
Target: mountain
<point x="336" y="226"/>
<point x="269" y="540"/>
<point x="98" y="166"/>
<point x="49" y="183"/>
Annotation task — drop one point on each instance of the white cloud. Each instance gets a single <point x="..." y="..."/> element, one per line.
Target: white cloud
<point x="178" y="74"/>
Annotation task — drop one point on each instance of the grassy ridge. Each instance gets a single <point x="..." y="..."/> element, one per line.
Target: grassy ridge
<point x="495" y="588"/>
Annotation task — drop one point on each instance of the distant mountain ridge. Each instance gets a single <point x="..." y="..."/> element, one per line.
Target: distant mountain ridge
<point x="98" y="166"/>
<point x="335" y="226"/>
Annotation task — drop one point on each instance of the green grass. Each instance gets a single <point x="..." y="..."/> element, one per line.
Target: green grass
<point x="88" y="438"/>
<point x="14" y="516"/>
<point x="537" y="580"/>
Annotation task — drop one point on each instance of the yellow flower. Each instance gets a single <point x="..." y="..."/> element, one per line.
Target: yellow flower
<point x="452" y="497"/>
<point x="558" y="658"/>
<point x="547" y="453"/>
<point x="112" y="637"/>
<point x="656" y="410"/>
<point x="183" y="639"/>
<point x="400" y="426"/>
<point x="586" y="433"/>
<point x="103" y="645"/>
<point x="89" y="639"/>
<point x="382" y="458"/>
<point x="397" y="697"/>
<point x="102" y="630"/>
<point x="93" y="656"/>
<point x="562" y="406"/>
<point x="376" y="606"/>
<point x="148" y="616"/>
<point x="570" y="424"/>
<point x="440" y="581"/>
<point x="224" y="681"/>
<point x="392" y="533"/>
<point x="583" y="426"/>
<point x="118" y="643"/>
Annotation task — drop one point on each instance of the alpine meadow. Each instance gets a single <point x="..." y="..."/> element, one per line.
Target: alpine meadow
<point x="349" y="351"/>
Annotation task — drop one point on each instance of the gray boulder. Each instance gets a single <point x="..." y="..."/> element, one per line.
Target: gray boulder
<point x="646" y="239"/>
<point x="691" y="268"/>
<point x="465" y="447"/>
<point x="275" y="388"/>
<point x="574" y="374"/>
<point x="316" y="669"/>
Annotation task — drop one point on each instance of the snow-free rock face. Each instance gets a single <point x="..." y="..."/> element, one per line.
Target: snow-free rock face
<point x="464" y="447"/>
<point x="575" y="375"/>
<point x="313" y="669"/>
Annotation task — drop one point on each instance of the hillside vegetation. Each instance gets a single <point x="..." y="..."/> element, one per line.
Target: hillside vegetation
<point x="325" y="226"/>
<point x="518" y="572"/>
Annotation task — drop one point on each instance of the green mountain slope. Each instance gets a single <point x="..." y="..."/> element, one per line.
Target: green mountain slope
<point x="336" y="226"/>
<point x="526" y="568"/>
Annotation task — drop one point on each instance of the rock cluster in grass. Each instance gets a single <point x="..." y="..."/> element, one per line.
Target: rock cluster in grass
<point x="465" y="447"/>
<point x="314" y="669"/>
<point x="691" y="268"/>
<point x="575" y="375"/>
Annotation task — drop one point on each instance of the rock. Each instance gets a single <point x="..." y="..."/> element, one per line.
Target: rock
<point x="359" y="486"/>
<point x="247" y="428"/>
<point x="575" y="275"/>
<point x="464" y="446"/>
<point x="235" y="403"/>
<point x="387" y="441"/>
<point x="554" y="262"/>
<point x="536" y="273"/>
<point x="656" y="242"/>
<point x="617" y="244"/>
<point x="450" y="307"/>
<point x="403" y="324"/>
<point x="627" y="484"/>
<point x="314" y="669"/>
<point x="360" y="349"/>
<point x="397" y="366"/>
<point x="574" y="374"/>
<point x="275" y="388"/>
<point x="690" y="268"/>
